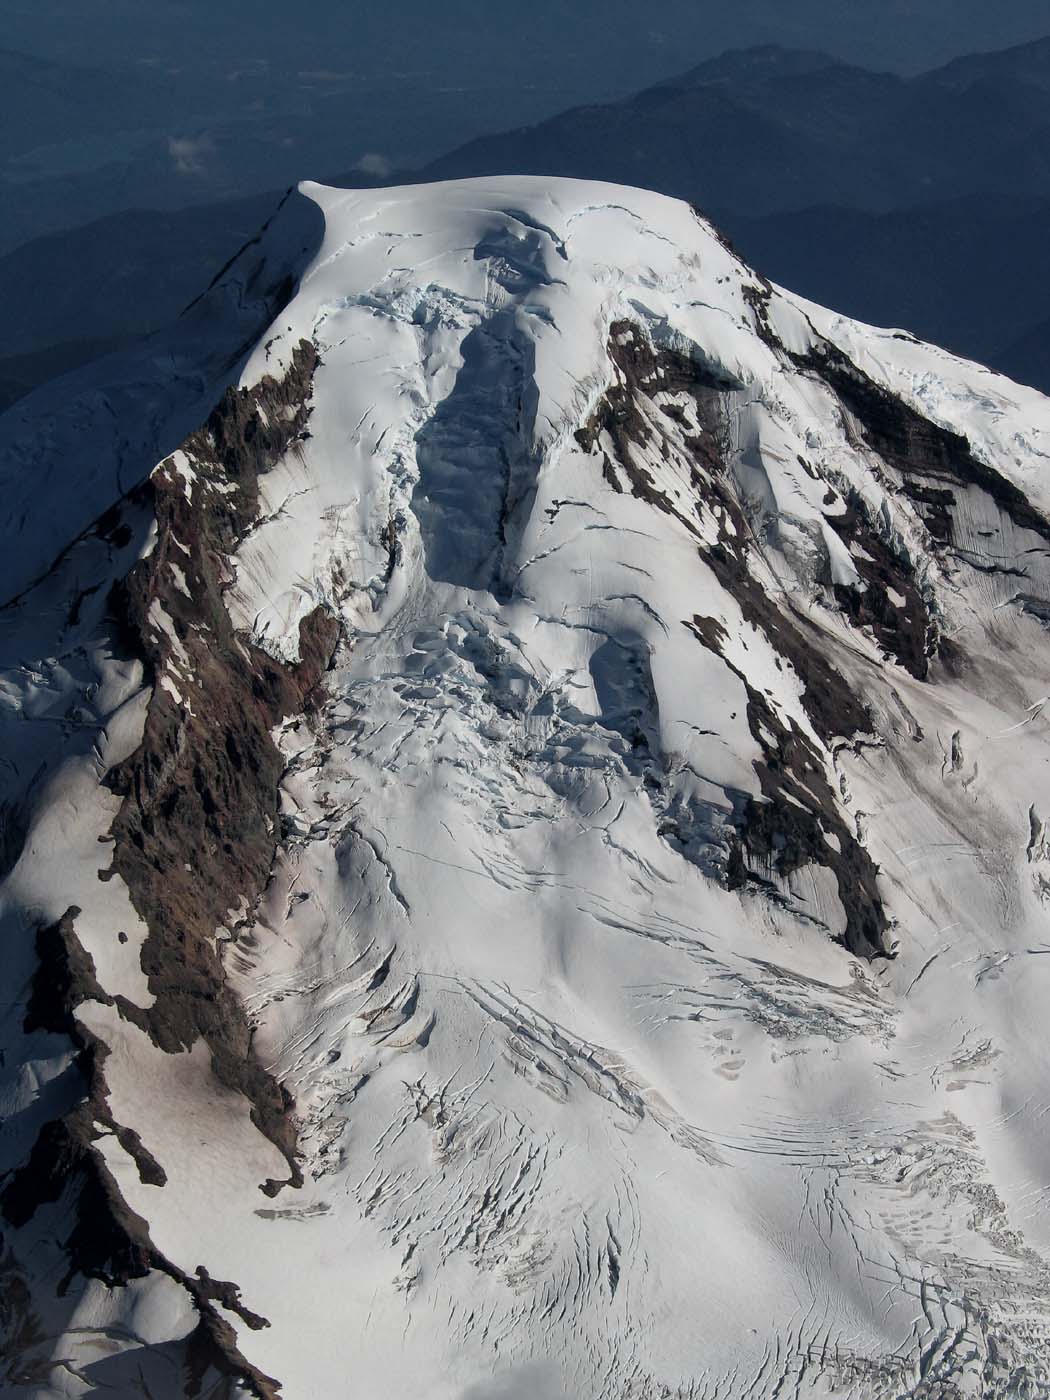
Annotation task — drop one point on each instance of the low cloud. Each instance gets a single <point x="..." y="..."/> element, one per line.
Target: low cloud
<point x="190" y="154"/>
<point x="372" y="163"/>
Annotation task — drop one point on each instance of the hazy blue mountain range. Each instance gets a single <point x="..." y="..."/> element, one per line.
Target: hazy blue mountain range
<point x="768" y="130"/>
<point x="967" y="274"/>
<point x="117" y="105"/>
<point x="918" y="201"/>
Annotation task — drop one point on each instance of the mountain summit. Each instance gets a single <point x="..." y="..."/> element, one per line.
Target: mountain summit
<point x="523" y="832"/>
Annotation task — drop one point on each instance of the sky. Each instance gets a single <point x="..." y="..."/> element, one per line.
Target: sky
<point x="620" y="37"/>
<point x="108" y="107"/>
<point x="167" y="103"/>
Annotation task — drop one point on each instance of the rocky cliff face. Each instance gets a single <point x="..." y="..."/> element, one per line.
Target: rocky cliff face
<point x="523" y="860"/>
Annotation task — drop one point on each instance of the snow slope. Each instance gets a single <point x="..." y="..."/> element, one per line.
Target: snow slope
<point x="640" y="893"/>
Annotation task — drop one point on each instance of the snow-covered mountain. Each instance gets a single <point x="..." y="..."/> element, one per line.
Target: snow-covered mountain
<point x="523" y="833"/>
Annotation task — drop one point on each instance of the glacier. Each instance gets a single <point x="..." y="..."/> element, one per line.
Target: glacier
<point x="522" y="832"/>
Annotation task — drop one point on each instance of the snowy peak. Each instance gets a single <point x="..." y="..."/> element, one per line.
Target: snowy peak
<point x="527" y="823"/>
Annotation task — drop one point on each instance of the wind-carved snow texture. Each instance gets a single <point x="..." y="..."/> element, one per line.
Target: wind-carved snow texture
<point x="621" y="973"/>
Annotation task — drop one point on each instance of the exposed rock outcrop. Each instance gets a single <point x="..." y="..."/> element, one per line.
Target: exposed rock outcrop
<point x="195" y="835"/>
<point x="108" y="1240"/>
<point x="198" y="825"/>
<point x="791" y="825"/>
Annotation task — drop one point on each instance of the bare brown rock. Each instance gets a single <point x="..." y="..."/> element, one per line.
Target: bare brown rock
<point x="197" y="829"/>
<point x="784" y="830"/>
<point x="195" y="835"/>
<point x="108" y="1241"/>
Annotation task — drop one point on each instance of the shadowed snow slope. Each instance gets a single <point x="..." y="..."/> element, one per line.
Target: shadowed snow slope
<point x="523" y="849"/>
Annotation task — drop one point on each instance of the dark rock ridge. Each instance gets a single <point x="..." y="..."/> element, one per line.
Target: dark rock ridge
<point x="799" y="819"/>
<point x="195" y="836"/>
<point x="931" y="465"/>
<point x="197" y="829"/>
<point x="108" y="1240"/>
<point x="799" y="823"/>
<point x="798" y="812"/>
<point x="930" y="460"/>
<point x="908" y="632"/>
<point x="12" y="836"/>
